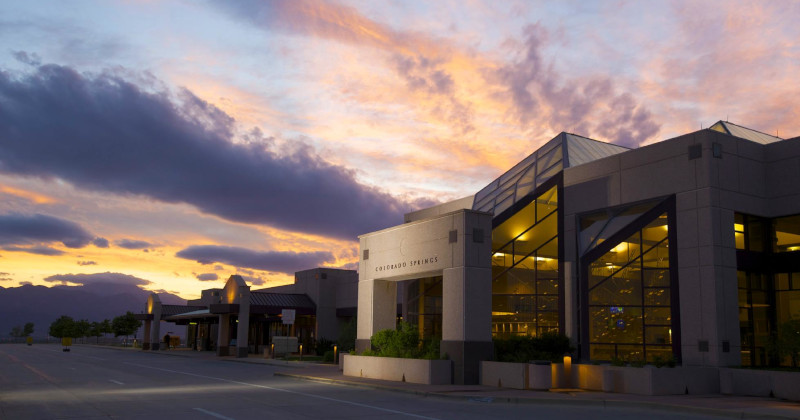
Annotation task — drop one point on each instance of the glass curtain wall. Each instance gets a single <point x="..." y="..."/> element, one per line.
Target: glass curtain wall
<point x="630" y="314"/>
<point x="424" y="297"/>
<point x="525" y="269"/>
<point x="768" y="279"/>
<point x="628" y="299"/>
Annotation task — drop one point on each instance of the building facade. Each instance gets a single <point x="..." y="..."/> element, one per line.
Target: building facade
<point x="688" y="249"/>
<point x="234" y="320"/>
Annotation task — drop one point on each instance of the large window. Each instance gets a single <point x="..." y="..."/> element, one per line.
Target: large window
<point x="424" y="297"/>
<point x="525" y="269"/>
<point x="768" y="281"/>
<point x="629" y="295"/>
<point x="630" y="314"/>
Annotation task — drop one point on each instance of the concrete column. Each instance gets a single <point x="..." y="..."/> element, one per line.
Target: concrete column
<point x="243" y="326"/>
<point x="467" y="320"/>
<point x="155" y="329"/>
<point x="377" y="310"/>
<point x="146" y="338"/>
<point x="223" y="335"/>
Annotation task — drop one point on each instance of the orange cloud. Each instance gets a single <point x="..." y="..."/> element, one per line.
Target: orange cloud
<point x="28" y="195"/>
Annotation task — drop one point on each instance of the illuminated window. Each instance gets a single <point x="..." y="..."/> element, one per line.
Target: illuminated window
<point x="425" y="306"/>
<point x="525" y="271"/>
<point x="787" y="234"/>
<point x="629" y="307"/>
<point x="738" y="230"/>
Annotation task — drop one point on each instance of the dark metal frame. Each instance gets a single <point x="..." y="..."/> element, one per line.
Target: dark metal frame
<point x="556" y="180"/>
<point x="667" y="205"/>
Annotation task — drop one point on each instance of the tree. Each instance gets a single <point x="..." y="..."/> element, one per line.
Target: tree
<point x="95" y="331"/>
<point x="105" y="327"/>
<point x="63" y="327"/>
<point x="125" y="324"/>
<point x="16" y="332"/>
<point x="22" y="331"/>
<point x="83" y="328"/>
<point x="787" y="341"/>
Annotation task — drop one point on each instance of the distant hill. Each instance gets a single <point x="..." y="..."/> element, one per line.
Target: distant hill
<point x="96" y="302"/>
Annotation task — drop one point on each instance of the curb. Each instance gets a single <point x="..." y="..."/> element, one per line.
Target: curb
<point x="178" y="353"/>
<point x="677" y="408"/>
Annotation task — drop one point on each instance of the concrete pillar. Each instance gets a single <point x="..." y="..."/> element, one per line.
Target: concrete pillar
<point x="146" y="338"/>
<point x="377" y="310"/>
<point x="243" y="326"/>
<point x="467" y="320"/>
<point x="155" y="329"/>
<point x="223" y="335"/>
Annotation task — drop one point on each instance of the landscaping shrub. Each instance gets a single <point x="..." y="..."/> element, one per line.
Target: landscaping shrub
<point x="404" y="342"/>
<point x="347" y="336"/>
<point x="786" y="343"/>
<point x="522" y="349"/>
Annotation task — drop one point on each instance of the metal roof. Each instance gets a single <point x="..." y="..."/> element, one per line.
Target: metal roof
<point x="744" y="132"/>
<point x="169" y="310"/>
<point x="563" y="151"/>
<point x="282" y="300"/>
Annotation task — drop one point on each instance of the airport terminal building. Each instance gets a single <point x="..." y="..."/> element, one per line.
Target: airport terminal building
<point x="687" y="248"/>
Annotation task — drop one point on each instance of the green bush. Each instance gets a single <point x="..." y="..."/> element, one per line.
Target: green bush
<point x="404" y="342"/>
<point x="522" y="349"/>
<point x="323" y="346"/>
<point x="347" y="336"/>
<point x="786" y="342"/>
<point x="328" y="356"/>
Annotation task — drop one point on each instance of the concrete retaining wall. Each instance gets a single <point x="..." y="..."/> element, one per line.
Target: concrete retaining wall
<point x="418" y="371"/>
<point x="516" y="375"/>
<point x="647" y="380"/>
<point x="760" y="383"/>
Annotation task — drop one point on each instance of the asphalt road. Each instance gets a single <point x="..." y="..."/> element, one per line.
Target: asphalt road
<point x="42" y="382"/>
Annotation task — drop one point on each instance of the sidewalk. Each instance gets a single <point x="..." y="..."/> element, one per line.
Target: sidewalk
<point x="715" y="404"/>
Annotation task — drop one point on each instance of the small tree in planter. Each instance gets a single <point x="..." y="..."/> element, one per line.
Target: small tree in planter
<point x="786" y="343"/>
<point x="404" y="343"/>
<point x="522" y="349"/>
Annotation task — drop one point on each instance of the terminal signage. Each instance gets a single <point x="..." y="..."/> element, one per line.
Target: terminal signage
<point x="410" y="263"/>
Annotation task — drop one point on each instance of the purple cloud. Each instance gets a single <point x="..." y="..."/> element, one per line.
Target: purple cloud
<point x="105" y="133"/>
<point x="207" y="277"/>
<point x="98" y="278"/>
<point x="100" y="242"/>
<point x="538" y="92"/>
<point x="132" y="244"/>
<point x="273" y="261"/>
<point x="83" y="263"/>
<point x="38" y="250"/>
<point x="18" y="229"/>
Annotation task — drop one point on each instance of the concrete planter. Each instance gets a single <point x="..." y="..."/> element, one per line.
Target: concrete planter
<point x="418" y="371"/>
<point x="504" y="375"/>
<point x="540" y="376"/>
<point x="647" y="380"/>
<point x="760" y="383"/>
<point x="516" y="375"/>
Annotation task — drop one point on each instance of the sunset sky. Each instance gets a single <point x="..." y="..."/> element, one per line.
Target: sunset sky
<point x="170" y="144"/>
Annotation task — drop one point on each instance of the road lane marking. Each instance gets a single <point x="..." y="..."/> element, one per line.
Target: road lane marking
<point x="116" y="382"/>
<point x="403" y="413"/>
<point x="74" y="354"/>
<point x="211" y="413"/>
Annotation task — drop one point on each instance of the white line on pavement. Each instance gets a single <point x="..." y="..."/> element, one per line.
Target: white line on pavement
<point x="74" y="354"/>
<point x="116" y="382"/>
<point x="287" y="391"/>
<point x="211" y="413"/>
